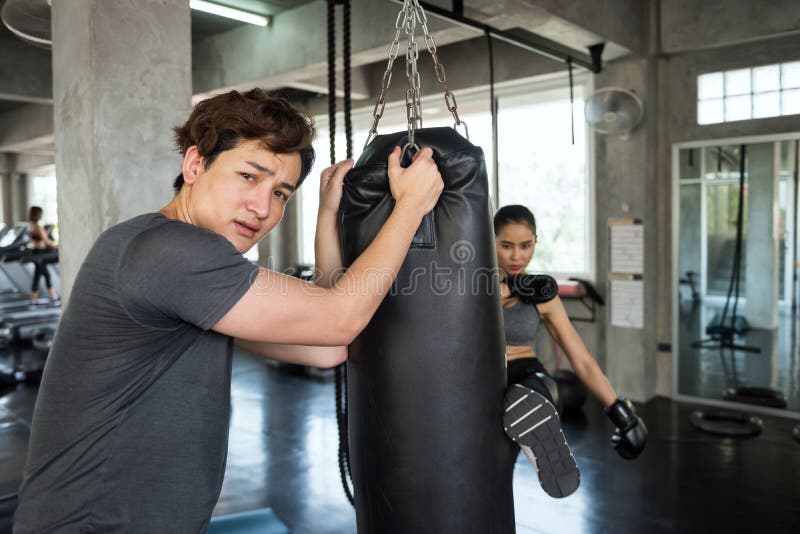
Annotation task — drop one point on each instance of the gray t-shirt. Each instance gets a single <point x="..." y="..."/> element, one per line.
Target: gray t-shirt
<point x="130" y="427"/>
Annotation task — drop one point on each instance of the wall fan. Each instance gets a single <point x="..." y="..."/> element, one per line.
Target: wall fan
<point x="29" y="20"/>
<point x="613" y="110"/>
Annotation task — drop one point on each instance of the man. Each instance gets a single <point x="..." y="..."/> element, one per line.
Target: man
<point x="130" y="428"/>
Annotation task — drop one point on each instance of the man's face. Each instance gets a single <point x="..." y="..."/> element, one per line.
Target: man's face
<point x="243" y="193"/>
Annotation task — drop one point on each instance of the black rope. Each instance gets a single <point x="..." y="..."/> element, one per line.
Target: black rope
<point x="332" y="77"/>
<point x="340" y="373"/>
<point x="795" y="266"/>
<point x="733" y="286"/>
<point x="493" y="108"/>
<point x="340" y="378"/>
<point x="348" y="121"/>
<point x="571" y="100"/>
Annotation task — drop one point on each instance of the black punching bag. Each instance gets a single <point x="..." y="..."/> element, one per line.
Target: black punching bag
<point x="426" y="377"/>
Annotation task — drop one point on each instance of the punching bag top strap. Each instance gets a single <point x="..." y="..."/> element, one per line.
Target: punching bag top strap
<point x="410" y="14"/>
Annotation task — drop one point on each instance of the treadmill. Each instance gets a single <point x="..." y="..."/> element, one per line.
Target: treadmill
<point x="21" y="319"/>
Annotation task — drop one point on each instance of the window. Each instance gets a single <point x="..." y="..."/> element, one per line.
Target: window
<point x="539" y="166"/>
<point x="541" y="169"/>
<point x="752" y="93"/>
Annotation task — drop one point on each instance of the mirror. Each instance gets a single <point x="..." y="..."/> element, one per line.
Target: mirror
<point x="735" y="264"/>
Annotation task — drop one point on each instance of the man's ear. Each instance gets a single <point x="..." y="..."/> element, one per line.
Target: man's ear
<point x="192" y="165"/>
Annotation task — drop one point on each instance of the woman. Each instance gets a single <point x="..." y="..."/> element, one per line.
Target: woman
<point x="41" y="244"/>
<point x="529" y="300"/>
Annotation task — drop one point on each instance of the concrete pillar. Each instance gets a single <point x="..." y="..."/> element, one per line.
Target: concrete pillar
<point x="9" y="165"/>
<point x="19" y="196"/>
<point x="121" y="81"/>
<point x="762" y="255"/>
<point x="626" y="186"/>
<point x="15" y="191"/>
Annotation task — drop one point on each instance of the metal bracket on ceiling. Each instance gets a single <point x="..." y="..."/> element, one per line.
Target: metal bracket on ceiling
<point x="532" y="42"/>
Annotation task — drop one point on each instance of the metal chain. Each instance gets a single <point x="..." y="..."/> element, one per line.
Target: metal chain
<point x="410" y="14"/>
<point x="438" y="68"/>
<point x="394" y="49"/>
<point x="413" y="105"/>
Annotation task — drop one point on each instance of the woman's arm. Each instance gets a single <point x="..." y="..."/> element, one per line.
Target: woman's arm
<point x="560" y="327"/>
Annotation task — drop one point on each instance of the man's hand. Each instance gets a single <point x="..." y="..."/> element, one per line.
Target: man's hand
<point x="418" y="185"/>
<point x="330" y="185"/>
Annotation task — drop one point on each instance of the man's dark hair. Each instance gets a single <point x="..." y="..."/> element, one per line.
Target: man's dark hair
<point x="221" y="122"/>
<point x="514" y="214"/>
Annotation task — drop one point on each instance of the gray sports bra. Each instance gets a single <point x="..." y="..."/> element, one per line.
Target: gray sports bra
<point x="521" y="323"/>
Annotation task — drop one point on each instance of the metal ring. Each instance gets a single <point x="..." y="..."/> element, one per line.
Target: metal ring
<point x="406" y="147"/>
<point x="464" y="124"/>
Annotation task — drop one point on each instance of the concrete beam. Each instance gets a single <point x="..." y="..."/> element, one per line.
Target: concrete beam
<point x="25" y="73"/>
<point x="250" y="56"/>
<point x="623" y="22"/>
<point x="294" y="48"/>
<point x="691" y="25"/>
<point x="359" y="84"/>
<point x="26" y="128"/>
<point x="36" y="165"/>
<point x="467" y="68"/>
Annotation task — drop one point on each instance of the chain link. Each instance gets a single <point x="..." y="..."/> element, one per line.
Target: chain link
<point x="394" y="50"/>
<point x="409" y="16"/>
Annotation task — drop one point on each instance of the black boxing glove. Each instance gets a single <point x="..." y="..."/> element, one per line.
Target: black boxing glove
<point x="533" y="288"/>
<point x="630" y="436"/>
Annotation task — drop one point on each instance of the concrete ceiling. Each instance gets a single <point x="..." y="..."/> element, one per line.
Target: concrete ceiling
<point x="228" y="54"/>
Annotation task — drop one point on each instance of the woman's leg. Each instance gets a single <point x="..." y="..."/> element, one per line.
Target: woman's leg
<point x="531" y="420"/>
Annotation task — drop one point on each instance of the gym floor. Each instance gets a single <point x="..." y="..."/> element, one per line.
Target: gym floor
<point x="283" y="455"/>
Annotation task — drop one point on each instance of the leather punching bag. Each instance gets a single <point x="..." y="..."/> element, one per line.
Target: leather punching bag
<point x="426" y="377"/>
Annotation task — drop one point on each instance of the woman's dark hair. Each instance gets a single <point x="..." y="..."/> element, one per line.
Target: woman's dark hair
<point x="35" y="214"/>
<point x="223" y="121"/>
<point x="514" y="214"/>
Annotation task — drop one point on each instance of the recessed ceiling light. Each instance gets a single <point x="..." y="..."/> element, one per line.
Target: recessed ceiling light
<point x="228" y="12"/>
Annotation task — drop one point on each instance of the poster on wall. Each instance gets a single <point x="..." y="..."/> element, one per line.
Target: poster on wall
<point x="626" y="272"/>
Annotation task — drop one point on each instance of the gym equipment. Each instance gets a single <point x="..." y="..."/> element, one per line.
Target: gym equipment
<point x="42" y="339"/>
<point x="753" y="395"/>
<point x="340" y="371"/>
<point x="423" y="402"/>
<point x="426" y="377"/>
<point x="630" y="436"/>
<point x="796" y="433"/>
<point x="724" y="327"/>
<point x="571" y="390"/>
<point x="727" y="423"/>
<point x="583" y="291"/>
<point x="263" y="521"/>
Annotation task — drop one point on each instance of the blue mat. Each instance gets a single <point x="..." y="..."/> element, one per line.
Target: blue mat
<point x="263" y="521"/>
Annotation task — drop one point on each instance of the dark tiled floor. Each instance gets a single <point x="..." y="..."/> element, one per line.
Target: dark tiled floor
<point x="708" y="372"/>
<point x="283" y="455"/>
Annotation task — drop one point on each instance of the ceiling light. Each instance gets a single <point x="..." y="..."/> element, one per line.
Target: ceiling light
<point x="228" y="12"/>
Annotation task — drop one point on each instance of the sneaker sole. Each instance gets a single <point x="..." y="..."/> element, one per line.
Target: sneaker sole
<point x="531" y="421"/>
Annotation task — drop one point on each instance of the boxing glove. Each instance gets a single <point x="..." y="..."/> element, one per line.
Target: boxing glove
<point x="533" y="288"/>
<point x="630" y="436"/>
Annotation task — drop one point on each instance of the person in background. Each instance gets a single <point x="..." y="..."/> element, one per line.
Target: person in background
<point x="528" y="301"/>
<point x="42" y="248"/>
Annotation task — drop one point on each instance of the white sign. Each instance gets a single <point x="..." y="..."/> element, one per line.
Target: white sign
<point x="627" y="248"/>
<point x="627" y="303"/>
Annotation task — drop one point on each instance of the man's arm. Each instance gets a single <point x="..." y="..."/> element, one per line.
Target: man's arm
<point x="299" y="354"/>
<point x="327" y="253"/>
<point x="285" y="310"/>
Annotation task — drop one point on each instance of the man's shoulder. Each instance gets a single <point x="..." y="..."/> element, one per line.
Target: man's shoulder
<point x="155" y="227"/>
